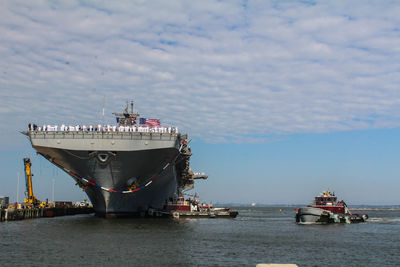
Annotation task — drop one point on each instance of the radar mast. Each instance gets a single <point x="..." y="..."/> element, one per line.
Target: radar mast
<point x="127" y="118"/>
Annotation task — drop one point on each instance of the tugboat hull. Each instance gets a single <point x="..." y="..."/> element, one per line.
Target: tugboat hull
<point x="310" y="215"/>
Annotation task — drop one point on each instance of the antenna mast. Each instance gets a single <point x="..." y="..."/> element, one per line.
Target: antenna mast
<point x="104" y="103"/>
<point x="18" y="187"/>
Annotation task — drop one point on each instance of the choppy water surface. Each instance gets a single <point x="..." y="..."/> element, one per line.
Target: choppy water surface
<point x="257" y="235"/>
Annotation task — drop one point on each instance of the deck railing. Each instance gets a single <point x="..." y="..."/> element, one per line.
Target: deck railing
<point x="104" y="135"/>
<point x="102" y="128"/>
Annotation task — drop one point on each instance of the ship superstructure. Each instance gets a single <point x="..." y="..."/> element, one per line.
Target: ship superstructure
<point x="125" y="169"/>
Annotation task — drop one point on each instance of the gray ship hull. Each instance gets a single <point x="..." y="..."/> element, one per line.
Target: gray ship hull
<point x="122" y="174"/>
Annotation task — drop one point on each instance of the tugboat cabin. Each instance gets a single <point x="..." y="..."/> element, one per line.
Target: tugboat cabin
<point x="328" y="201"/>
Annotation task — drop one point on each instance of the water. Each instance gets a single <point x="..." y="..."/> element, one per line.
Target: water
<point x="257" y="235"/>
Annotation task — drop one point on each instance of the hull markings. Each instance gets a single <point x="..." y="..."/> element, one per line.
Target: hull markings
<point x="152" y="179"/>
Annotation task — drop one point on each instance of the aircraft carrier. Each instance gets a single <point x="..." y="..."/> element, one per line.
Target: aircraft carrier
<point x="124" y="169"/>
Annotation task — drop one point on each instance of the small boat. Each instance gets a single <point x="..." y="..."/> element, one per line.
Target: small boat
<point x="326" y="209"/>
<point x="180" y="207"/>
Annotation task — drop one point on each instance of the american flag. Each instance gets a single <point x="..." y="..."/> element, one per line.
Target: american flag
<point x="150" y="122"/>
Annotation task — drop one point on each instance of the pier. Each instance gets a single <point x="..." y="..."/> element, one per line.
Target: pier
<point x="13" y="214"/>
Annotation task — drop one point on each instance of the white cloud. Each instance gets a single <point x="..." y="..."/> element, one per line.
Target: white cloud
<point x="220" y="70"/>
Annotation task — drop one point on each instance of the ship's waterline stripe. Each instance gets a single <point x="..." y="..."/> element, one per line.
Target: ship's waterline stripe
<point x="166" y="166"/>
<point x="152" y="179"/>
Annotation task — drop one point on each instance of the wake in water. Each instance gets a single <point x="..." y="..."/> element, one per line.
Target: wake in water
<point x="377" y="209"/>
<point x="385" y="220"/>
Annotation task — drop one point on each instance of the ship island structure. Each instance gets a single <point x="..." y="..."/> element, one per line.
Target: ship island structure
<point x="125" y="169"/>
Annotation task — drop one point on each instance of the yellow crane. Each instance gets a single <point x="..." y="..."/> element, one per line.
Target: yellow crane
<point x="30" y="197"/>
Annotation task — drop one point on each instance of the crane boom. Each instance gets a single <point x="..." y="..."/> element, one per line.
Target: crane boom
<point x="30" y="197"/>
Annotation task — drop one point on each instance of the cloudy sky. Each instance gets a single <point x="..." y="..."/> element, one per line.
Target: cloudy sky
<point x="248" y="80"/>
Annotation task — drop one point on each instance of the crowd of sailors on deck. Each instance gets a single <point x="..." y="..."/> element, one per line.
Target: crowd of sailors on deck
<point x="102" y="128"/>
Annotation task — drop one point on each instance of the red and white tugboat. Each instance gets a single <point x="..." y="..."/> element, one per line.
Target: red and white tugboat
<point x="326" y="209"/>
<point x="179" y="207"/>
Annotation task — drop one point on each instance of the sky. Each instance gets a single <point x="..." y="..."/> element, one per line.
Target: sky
<point x="282" y="99"/>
